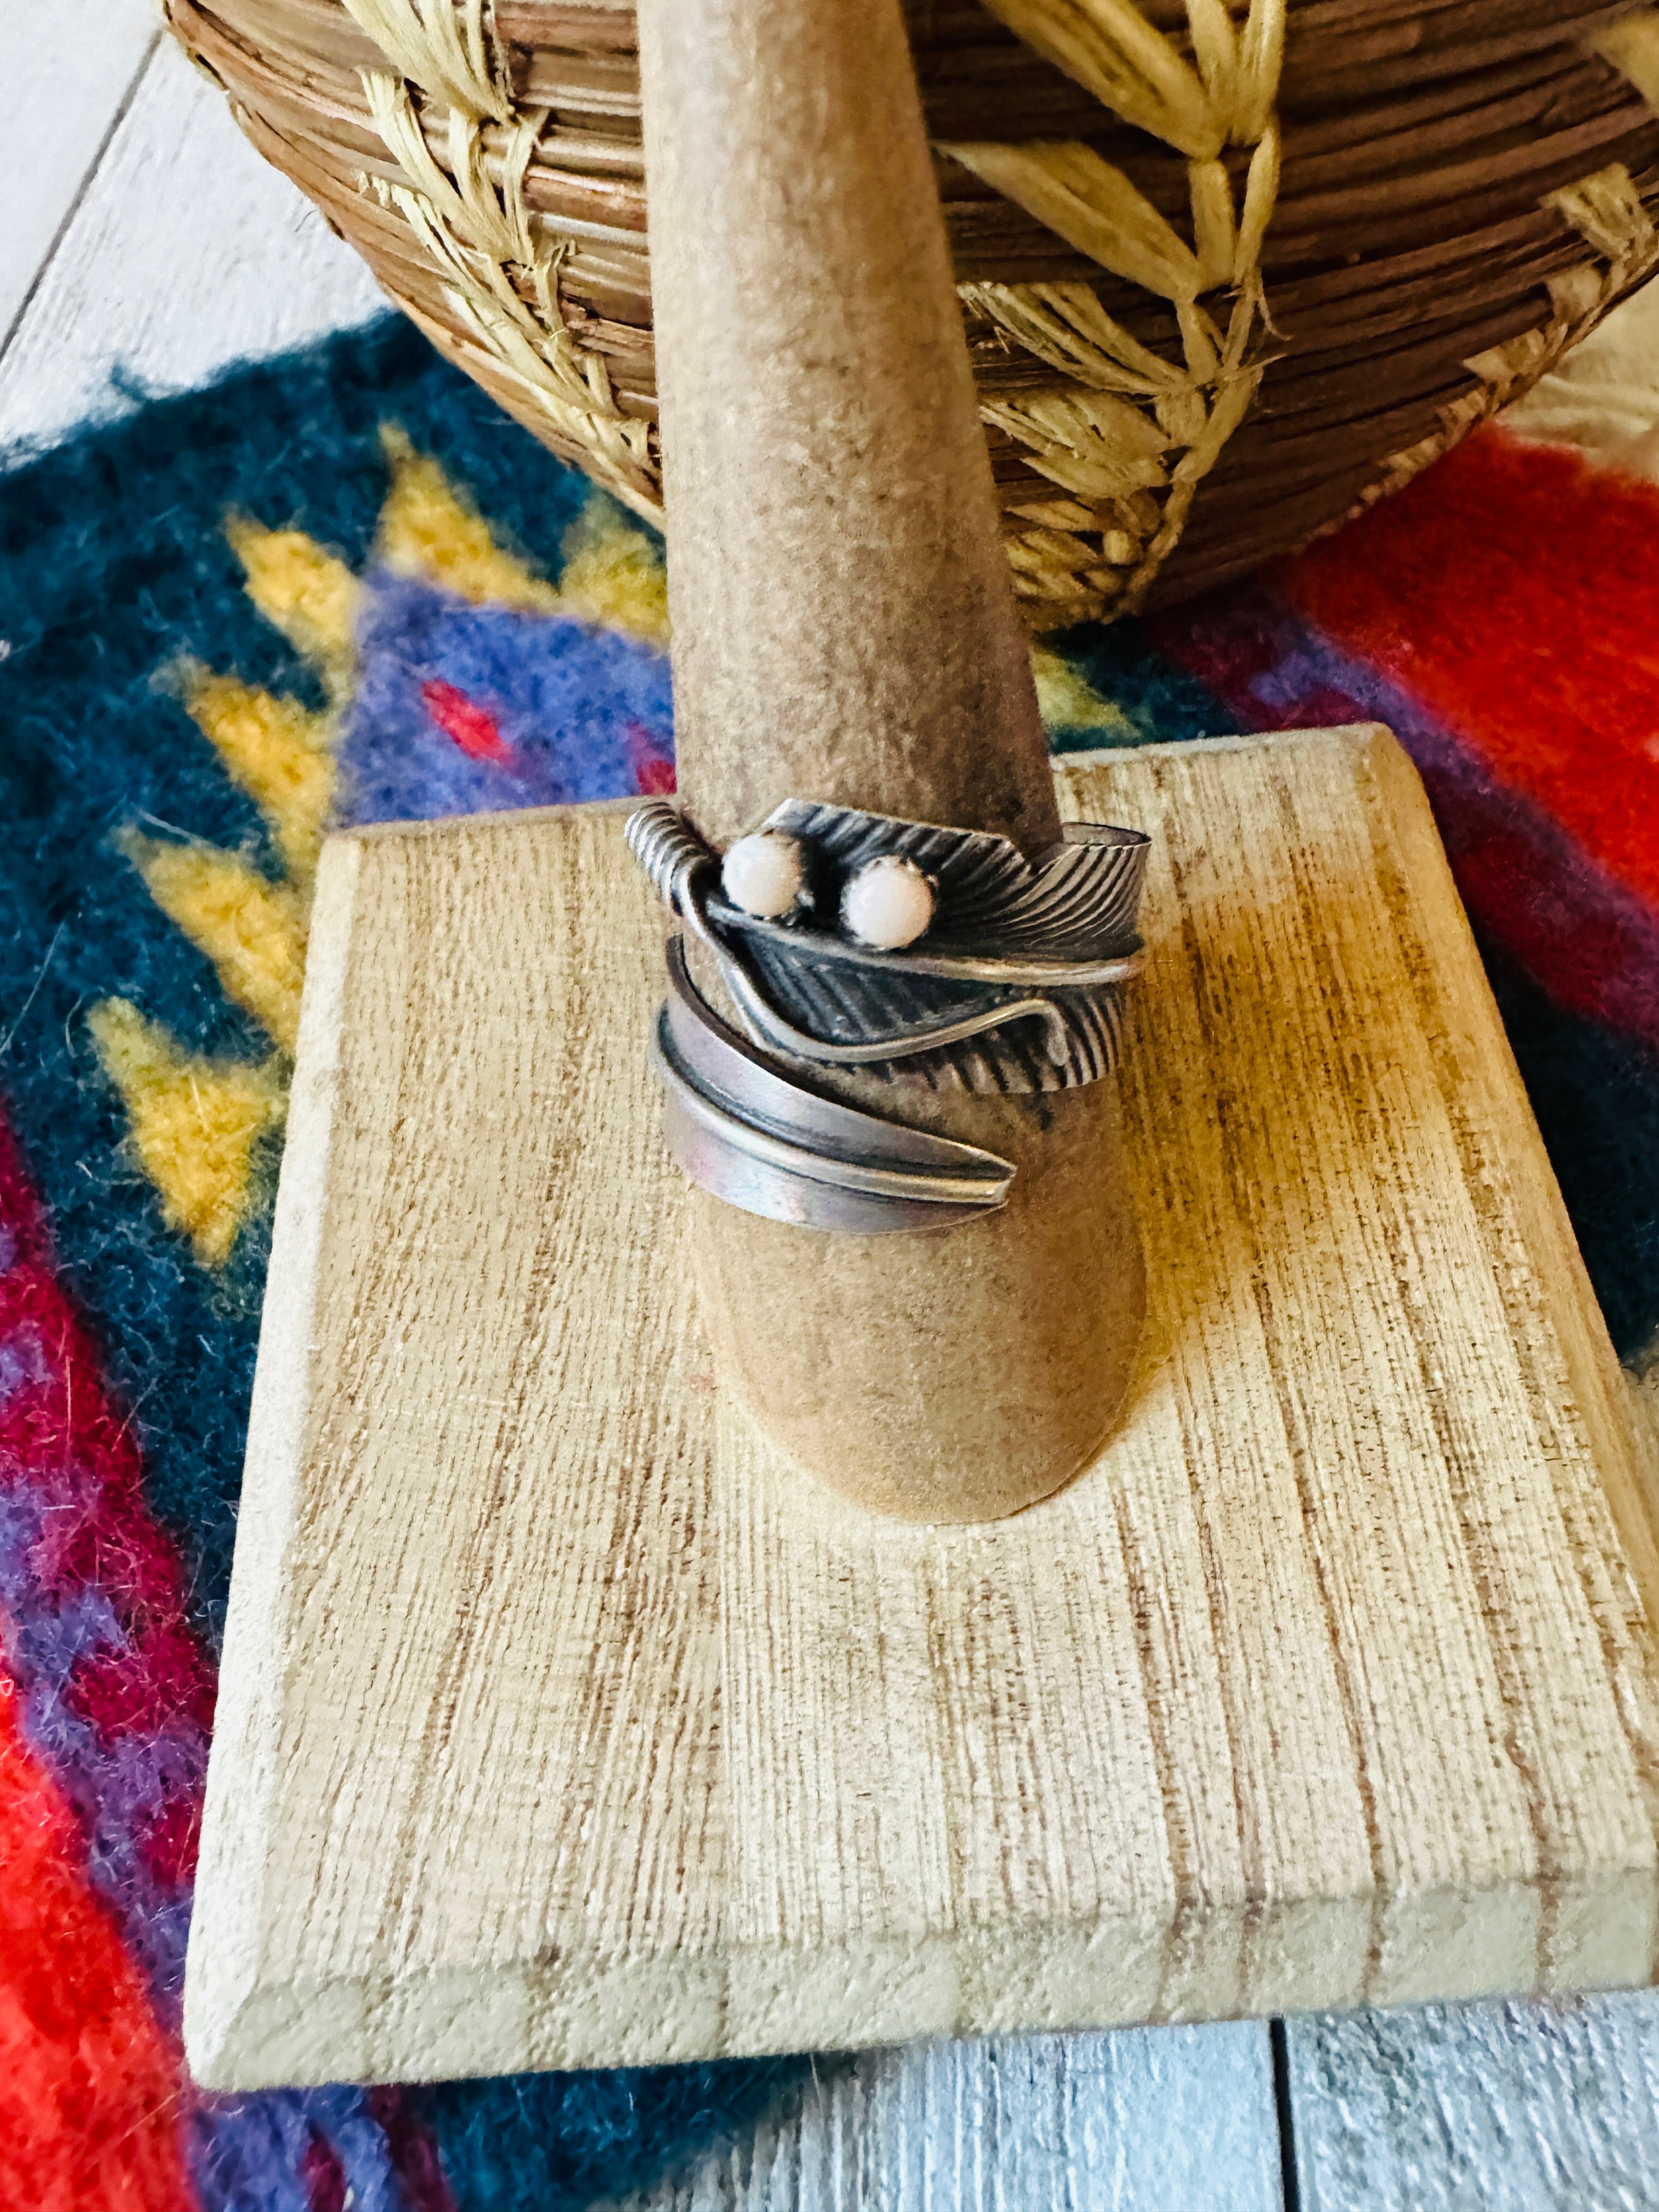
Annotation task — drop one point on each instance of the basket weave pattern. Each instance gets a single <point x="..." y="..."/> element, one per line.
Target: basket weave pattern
<point x="1227" y="272"/>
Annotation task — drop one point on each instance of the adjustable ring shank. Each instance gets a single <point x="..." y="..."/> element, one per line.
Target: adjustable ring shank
<point x="1017" y="989"/>
<point x="768" y="1143"/>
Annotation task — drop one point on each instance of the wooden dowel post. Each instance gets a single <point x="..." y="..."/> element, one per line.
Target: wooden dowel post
<point x="844" y="630"/>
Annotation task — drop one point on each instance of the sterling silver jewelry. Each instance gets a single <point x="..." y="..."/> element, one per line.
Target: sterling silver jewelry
<point x="987" y="972"/>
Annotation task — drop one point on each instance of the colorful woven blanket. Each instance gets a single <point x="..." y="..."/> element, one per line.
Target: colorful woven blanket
<point x="341" y="588"/>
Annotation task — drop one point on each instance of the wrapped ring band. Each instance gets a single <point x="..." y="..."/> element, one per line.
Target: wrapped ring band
<point x="1015" y="987"/>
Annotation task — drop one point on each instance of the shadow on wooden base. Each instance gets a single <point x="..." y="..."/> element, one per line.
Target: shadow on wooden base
<point x="561" y="1725"/>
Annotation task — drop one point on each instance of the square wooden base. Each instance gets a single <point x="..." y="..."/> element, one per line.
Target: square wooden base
<point x="561" y="1725"/>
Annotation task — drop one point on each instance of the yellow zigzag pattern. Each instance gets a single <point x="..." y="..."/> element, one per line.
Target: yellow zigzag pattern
<point x="196" y="1125"/>
<point x="1067" y="700"/>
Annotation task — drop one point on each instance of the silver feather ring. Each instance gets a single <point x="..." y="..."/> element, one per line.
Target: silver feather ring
<point x="930" y="957"/>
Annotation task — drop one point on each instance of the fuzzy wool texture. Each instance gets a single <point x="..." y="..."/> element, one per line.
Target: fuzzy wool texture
<point x="341" y="587"/>
<point x="1512" y="590"/>
<point x="195" y="1125"/>
<point x="86" y="2079"/>
<point x="307" y="591"/>
<point x="279" y="753"/>
<point x="562" y="711"/>
<point x="251" y="929"/>
<point x="115" y="1693"/>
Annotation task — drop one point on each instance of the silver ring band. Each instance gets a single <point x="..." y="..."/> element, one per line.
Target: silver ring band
<point x="1016" y="987"/>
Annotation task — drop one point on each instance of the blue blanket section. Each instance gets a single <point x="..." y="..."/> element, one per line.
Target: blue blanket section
<point x="576" y="710"/>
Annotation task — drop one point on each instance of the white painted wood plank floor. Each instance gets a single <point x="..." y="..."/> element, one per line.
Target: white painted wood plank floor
<point x="169" y="252"/>
<point x="70" y="84"/>
<point x="1177" y="2118"/>
<point x="146" y="250"/>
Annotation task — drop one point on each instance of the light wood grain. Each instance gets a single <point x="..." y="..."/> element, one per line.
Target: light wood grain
<point x="1173" y="2119"/>
<point x="184" y="254"/>
<point x="1549" y="2107"/>
<point x="558" y="1726"/>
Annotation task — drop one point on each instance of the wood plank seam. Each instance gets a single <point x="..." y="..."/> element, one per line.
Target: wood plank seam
<point x="74" y="207"/>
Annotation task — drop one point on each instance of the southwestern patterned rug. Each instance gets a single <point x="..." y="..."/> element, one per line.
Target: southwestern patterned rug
<point x="341" y="587"/>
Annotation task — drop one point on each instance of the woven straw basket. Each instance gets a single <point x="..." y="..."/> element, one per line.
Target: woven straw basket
<point x="1226" y="275"/>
